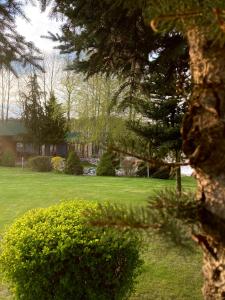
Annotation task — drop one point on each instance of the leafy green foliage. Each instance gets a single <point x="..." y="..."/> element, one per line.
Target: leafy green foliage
<point x="73" y="164"/>
<point x="54" y="254"/>
<point x="8" y="159"/>
<point x="105" y="166"/>
<point x="40" y="163"/>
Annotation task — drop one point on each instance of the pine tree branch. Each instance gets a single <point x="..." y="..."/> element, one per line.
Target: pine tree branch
<point x="219" y="14"/>
<point x="170" y="17"/>
<point x="175" y="217"/>
<point x="150" y="160"/>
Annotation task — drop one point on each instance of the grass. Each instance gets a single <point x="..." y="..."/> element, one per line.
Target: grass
<point x="167" y="272"/>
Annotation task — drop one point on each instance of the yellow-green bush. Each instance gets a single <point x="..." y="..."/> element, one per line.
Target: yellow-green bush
<point x="58" y="163"/>
<point x="54" y="253"/>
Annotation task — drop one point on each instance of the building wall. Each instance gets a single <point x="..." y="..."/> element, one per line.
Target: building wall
<point x="7" y="144"/>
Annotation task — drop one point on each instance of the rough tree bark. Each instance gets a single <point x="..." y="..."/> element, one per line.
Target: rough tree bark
<point x="204" y="143"/>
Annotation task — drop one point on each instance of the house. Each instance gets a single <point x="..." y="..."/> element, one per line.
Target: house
<point x="11" y="136"/>
<point x="85" y="149"/>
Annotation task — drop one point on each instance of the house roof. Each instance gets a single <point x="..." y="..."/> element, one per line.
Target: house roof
<point x="12" y="128"/>
<point x="72" y="136"/>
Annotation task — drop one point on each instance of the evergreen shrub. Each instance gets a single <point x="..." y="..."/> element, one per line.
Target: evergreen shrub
<point x="8" y="159"/>
<point x="54" y="253"/>
<point x="40" y="163"/>
<point x="73" y="164"/>
<point x="105" y="166"/>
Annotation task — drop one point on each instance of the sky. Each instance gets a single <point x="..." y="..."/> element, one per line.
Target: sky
<point x="39" y="25"/>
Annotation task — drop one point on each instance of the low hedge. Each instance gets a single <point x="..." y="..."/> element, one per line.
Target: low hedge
<point x="8" y="159"/>
<point x="40" y="163"/>
<point x="54" y="253"/>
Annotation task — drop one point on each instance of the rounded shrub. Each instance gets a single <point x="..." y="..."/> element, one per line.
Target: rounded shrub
<point x="40" y="163"/>
<point x="73" y="164"/>
<point x="105" y="166"/>
<point x="8" y="159"/>
<point x="54" y="253"/>
<point x="58" y="164"/>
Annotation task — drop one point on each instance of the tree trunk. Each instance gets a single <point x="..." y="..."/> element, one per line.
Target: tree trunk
<point x="178" y="174"/>
<point x="204" y="143"/>
<point x="47" y="150"/>
<point x="178" y="180"/>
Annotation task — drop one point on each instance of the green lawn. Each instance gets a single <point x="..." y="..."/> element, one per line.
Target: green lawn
<point x="167" y="273"/>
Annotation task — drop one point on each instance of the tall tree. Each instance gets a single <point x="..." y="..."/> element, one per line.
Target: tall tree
<point x="166" y="90"/>
<point x="7" y="79"/>
<point x="33" y="114"/>
<point x="54" y="122"/>
<point x="203" y="127"/>
<point x="162" y="100"/>
<point x="69" y="88"/>
<point x="95" y="116"/>
<point x="203" y="23"/>
<point x="161" y="127"/>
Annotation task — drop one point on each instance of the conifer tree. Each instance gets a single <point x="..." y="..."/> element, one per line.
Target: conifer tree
<point x="54" y="122"/>
<point x="14" y="48"/>
<point x="105" y="165"/>
<point x="203" y="24"/>
<point x="163" y="102"/>
<point x="33" y="114"/>
<point x="73" y="164"/>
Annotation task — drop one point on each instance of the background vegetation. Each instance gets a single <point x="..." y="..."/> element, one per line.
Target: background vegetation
<point x="168" y="273"/>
